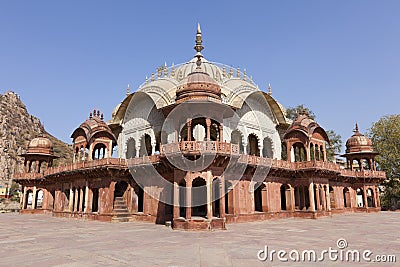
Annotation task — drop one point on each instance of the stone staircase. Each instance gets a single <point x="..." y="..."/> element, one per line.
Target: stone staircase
<point x="121" y="213"/>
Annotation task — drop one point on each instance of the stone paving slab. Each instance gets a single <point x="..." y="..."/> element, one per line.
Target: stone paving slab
<point x="27" y="240"/>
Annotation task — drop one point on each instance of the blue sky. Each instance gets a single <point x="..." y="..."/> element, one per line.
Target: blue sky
<point x="339" y="58"/>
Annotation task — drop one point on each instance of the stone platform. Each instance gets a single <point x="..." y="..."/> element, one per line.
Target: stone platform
<point x="33" y="239"/>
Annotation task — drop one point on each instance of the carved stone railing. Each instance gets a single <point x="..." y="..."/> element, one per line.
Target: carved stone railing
<point x="317" y="165"/>
<point x="86" y="165"/>
<point x="145" y="160"/>
<point x="29" y="175"/>
<point x="200" y="147"/>
<point x="363" y="174"/>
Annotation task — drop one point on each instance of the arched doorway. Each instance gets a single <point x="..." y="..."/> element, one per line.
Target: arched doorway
<point x="252" y="146"/>
<point x="140" y="195"/>
<point x="267" y="148"/>
<point x="29" y="199"/>
<point x="120" y="189"/>
<point x="258" y="197"/>
<point x="182" y="199"/>
<point x="199" y="197"/>
<point x="285" y="196"/>
<point x="332" y="197"/>
<point x="216" y="195"/>
<point x="360" y="198"/>
<point x="131" y="148"/>
<point x="39" y="199"/>
<point x="370" y="198"/>
<point x="145" y="146"/>
<point x="228" y="197"/>
<point x="237" y="138"/>
<point x="95" y="201"/>
<point x="346" y="197"/>
<point x="99" y="151"/>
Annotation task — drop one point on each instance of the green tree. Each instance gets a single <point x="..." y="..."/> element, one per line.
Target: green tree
<point x="335" y="139"/>
<point x="385" y="137"/>
<point x="291" y="112"/>
<point x="335" y="146"/>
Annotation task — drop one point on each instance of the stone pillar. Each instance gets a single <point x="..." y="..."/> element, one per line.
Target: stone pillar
<point x="86" y="197"/>
<point x="188" y="199"/>
<point x="209" y="195"/>
<point x="76" y="199"/>
<point x="323" y="196"/>
<point x="378" y="197"/>
<point x="318" y="207"/>
<point x="37" y="166"/>
<point x="208" y="124"/>
<point x="221" y="133"/>
<point x="289" y="151"/>
<point x="81" y="199"/>
<point x="323" y="147"/>
<point x="71" y="199"/>
<point x="153" y="148"/>
<point x="328" y="199"/>
<point x="365" y="197"/>
<point x="222" y="197"/>
<point x="189" y="129"/>
<point x="28" y="162"/>
<point x="311" y="196"/>
<point x="137" y="148"/>
<point x="176" y="136"/>
<point x="176" y="200"/>
<point x="34" y="198"/>
<point x="291" y="191"/>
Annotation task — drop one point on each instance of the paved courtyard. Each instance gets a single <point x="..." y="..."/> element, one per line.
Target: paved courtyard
<point x="42" y="240"/>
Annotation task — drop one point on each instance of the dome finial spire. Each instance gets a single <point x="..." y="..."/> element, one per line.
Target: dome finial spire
<point x="199" y="46"/>
<point x="356" y="129"/>
<point x="269" y="89"/>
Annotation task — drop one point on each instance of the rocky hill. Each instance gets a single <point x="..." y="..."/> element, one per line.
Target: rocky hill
<point x="17" y="128"/>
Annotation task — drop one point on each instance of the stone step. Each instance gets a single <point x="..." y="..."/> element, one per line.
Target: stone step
<point x="121" y="211"/>
<point x="120" y="219"/>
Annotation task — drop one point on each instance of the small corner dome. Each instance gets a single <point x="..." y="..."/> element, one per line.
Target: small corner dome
<point x="92" y="127"/>
<point x="198" y="85"/>
<point x="303" y="123"/>
<point x="358" y="143"/>
<point x="40" y="145"/>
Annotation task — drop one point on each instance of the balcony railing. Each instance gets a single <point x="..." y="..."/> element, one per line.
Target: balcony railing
<point x="317" y="165"/>
<point x="188" y="147"/>
<point x="145" y="160"/>
<point x="363" y="174"/>
<point x="199" y="147"/>
<point x="86" y="165"/>
<point x="29" y="175"/>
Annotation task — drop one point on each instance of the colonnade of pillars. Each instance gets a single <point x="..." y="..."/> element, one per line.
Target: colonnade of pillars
<point x="208" y="130"/>
<point x="37" y="165"/>
<point x="210" y="202"/>
<point x="371" y="164"/>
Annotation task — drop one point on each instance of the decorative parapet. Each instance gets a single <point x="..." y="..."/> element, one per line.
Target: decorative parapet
<point x="198" y="147"/>
<point x="363" y="174"/>
<point x="28" y="176"/>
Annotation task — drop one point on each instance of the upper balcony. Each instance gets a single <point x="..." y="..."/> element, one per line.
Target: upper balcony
<point x="105" y="162"/>
<point x="204" y="147"/>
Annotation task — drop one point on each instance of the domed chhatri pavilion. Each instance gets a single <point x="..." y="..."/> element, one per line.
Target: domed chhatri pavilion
<point x="199" y="146"/>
